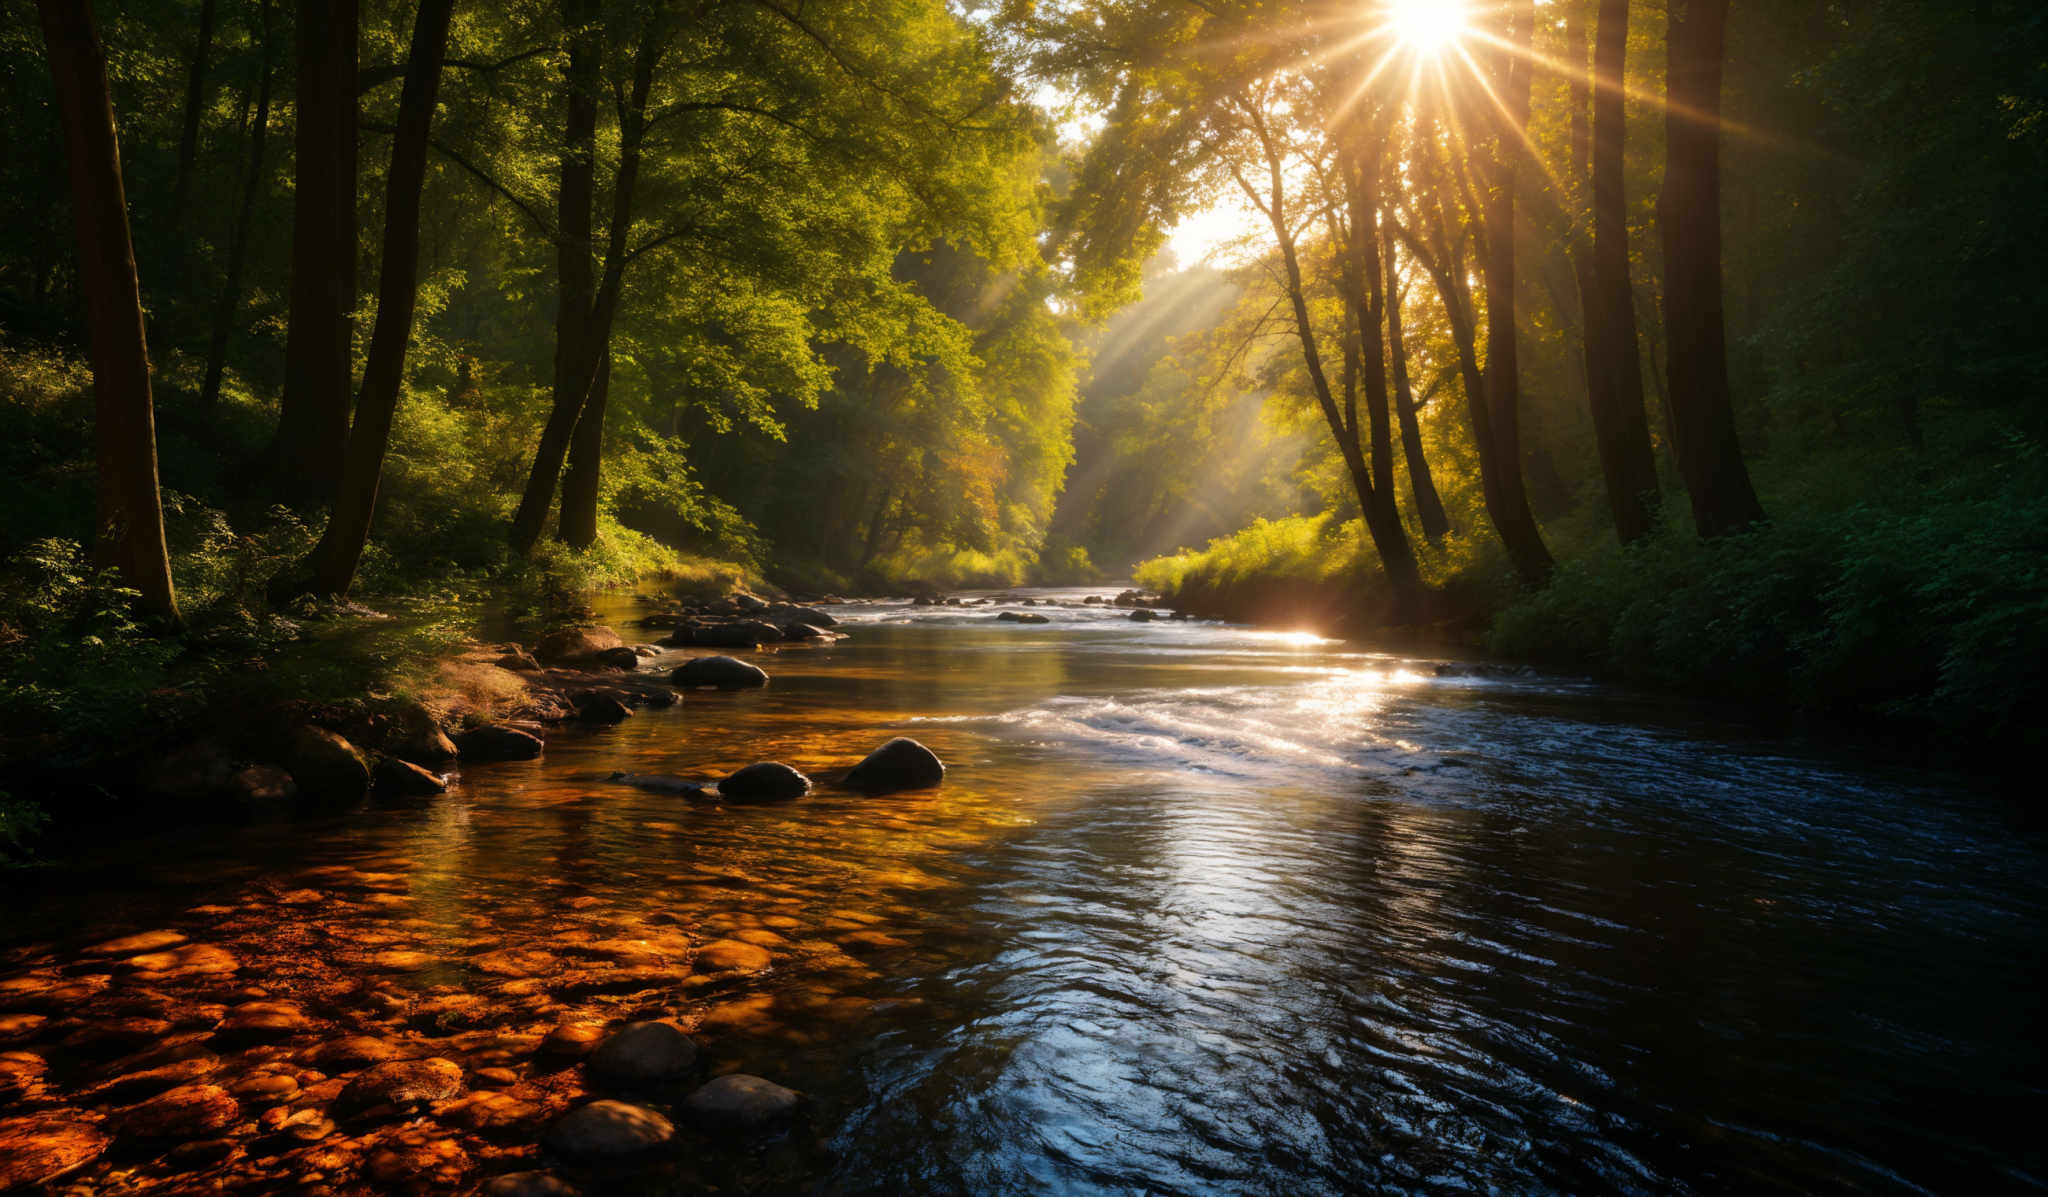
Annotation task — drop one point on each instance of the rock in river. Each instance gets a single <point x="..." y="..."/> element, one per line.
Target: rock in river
<point x="395" y="778"/>
<point x="528" y="1184"/>
<point x="326" y="766"/>
<point x="38" y="1149"/>
<point x="643" y="1053"/>
<point x="726" y="673"/>
<point x="608" y="1130"/>
<point x="576" y="646"/>
<point x="496" y="742"/>
<point x="742" y="1103"/>
<point x="403" y="1084"/>
<point x="901" y="764"/>
<point x="186" y="1112"/>
<point x="769" y="781"/>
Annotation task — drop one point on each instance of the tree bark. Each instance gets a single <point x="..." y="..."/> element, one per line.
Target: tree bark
<point x="238" y="244"/>
<point x="131" y="523"/>
<point x="578" y="525"/>
<point x="1429" y="506"/>
<point x="1703" y="417"/>
<point x="195" y="98"/>
<point x="313" y="415"/>
<point x="1518" y="531"/>
<point x="333" y="561"/>
<point x="1614" y="368"/>
<point x="577" y="366"/>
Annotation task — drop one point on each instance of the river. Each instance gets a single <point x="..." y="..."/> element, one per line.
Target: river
<point x="1198" y="909"/>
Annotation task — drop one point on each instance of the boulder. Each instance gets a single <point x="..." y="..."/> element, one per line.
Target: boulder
<point x="738" y="1102"/>
<point x="1022" y="617"/>
<point x="1144" y="615"/>
<point x="519" y="661"/>
<point x="420" y="739"/>
<point x="572" y="1040"/>
<point x="601" y="708"/>
<point x="789" y="613"/>
<point x="326" y="766"/>
<point x="769" y="781"/>
<point x="805" y="631"/>
<point x="399" y="779"/>
<point x="726" y="673"/>
<point x="41" y="1148"/>
<point x="900" y="764"/>
<point x="496" y="742"/>
<point x="607" y="1130"/>
<point x="261" y="787"/>
<point x="643" y="1053"/>
<point x="575" y="646"/>
<point x="747" y="602"/>
<point x="186" y="1112"/>
<point x="403" y="1085"/>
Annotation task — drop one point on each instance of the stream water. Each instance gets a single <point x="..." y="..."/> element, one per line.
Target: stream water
<point x="1199" y="909"/>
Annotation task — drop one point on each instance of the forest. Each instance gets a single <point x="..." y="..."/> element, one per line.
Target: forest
<point x="1695" y="345"/>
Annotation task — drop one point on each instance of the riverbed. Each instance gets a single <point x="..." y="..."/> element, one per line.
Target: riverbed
<point x="1198" y="909"/>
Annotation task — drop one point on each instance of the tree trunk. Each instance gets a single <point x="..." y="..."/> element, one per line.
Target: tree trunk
<point x="1709" y="453"/>
<point x="578" y="364"/>
<point x="574" y="246"/>
<point x="1429" y="506"/>
<point x="333" y="560"/>
<point x="578" y="525"/>
<point x="1518" y="531"/>
<point x="313" y="416"/>
<point x="1614" y="368"/>
<point x="131" y="521"/>
<point x="195" y="98"/>
<point x="238" y="244"/>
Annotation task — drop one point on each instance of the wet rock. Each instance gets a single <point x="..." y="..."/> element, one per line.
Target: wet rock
<point x="327" y="767"/>
<point x="516" y="963"/>
<point x="400" y="1084"/>
<point x="900" y="764"/>
<point x="191" y="960"/>
<point x="601" y="708"/>
<point x="661" y="783"/>
<point x="805" y="631"/>
<point x="518" y="661"/>
<point x="739" y="1102"/>
<point x="39" y="1149"/>
<point x="528" y="1184"/>
<point x="1144" y="615"/>
<point x="490" y="1112"/>
<point x="494" y="1078"/>
<point x="731" y="956"/>
<point x="769" y="781"/>
<point x="135" y="1086"/>
<point x="395" y="778"/>
<point x="791" y="613"/>
<point x="607" y="1130"/>
<point x="261" y="787"/>
<point x="263" y="1090"/>
<point x="106" y="1038"/>
<point x="572" y="1040"/>
<point x="416" y="1159"/>
<point x="726" y="673"/>
<point x="186" y="1112"/>
<point x="496" y="742"/>
<point x="576" y="646"/>
<point x="873" y="941"/>
<point x="1021" y="617"/>
<point x="17" y="1028"/>
<point x="422" y="741"/>
<point x="135" y="945"/>
<point x="401" y="960"/>
<point x="643" y="1053"/>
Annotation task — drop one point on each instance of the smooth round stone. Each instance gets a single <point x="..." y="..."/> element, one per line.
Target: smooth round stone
<point x="572" y="1040"/>
<point x="186" y="1112"/>
<point x="265" y="1089"/>
<point x="350" y="1051"/>
<point x="741" y="1102"/>
<point x="608" y="1130"/>
<point x="263" y="1020"/>
<point x="644" y="1053"/>
<point x="769" y="781"/>
<point x="401" y="1083"/>
<point x="731" y="956"/>
<point x="528" y="1184"/>
<point x="900" y="764"/>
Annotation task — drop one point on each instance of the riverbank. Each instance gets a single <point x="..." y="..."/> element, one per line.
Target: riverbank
<point x="1927" y="630"/>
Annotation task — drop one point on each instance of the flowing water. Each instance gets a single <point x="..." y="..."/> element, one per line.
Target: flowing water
<point x="1199" y="909"/>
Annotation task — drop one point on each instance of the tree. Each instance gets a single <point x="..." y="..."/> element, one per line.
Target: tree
<point x="332" y="564"/>
<point x="195" y="97"/>
<point x="130" y="521"/>
<point x="313" y="412"/>
<point x="1614" y="371"/>
<point x="1429" y="506"/>
<point x="238" y="239"/>
<point x="1709" y="452"/>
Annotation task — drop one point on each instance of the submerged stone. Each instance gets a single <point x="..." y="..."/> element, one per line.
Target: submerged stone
<point x="39" y="1149"/>
<point x="186" y="1112"/>
<point x="740" y="1102"/>
<point x="606" y="1130"/>
<point x="403" y="1084"/>
<point x="643" y="1053"/>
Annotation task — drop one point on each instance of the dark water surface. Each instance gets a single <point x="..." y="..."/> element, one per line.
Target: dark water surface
<point x="1198" y="910"/>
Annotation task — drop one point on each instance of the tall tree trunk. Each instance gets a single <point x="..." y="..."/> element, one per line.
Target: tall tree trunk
<point x="131" y="520"/>
<point x="1709" y="452"/>
<point x="1361" y="169"/>
<point x="1429" y="506"/>
<point x="1389" y="538"/>
<point x="578" y="366"/>
<point x="333" y="560"/>
<point x="578" y="525"/>
<point x="574" y="245"/>
<point x="238" y="244"/>
<point x="1614" y="369"/>
<point x="313" y="416"/>
<point x="1518" y="531"/>
<point x="195" y="99"/>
